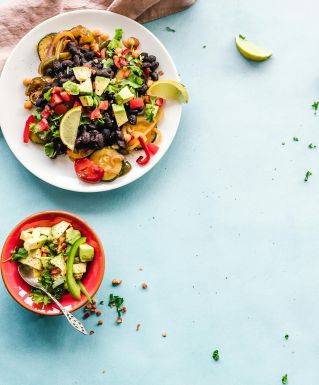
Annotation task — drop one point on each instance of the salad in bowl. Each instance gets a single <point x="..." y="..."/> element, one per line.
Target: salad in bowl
<point x="65" y="256"/>
<point x="97" y="100"/>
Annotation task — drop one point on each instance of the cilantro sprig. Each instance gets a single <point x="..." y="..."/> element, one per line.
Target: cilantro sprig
<point x="19" y="254"/>
<point x="284" y="379"/>
<point x="215" y="355"/>
<point x="117" y="302"/>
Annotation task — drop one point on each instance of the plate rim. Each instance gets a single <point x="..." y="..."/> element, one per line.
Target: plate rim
<point x="80" y="187"/>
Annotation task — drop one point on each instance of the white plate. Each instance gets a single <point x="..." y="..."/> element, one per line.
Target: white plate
<point x="23" y="63"/>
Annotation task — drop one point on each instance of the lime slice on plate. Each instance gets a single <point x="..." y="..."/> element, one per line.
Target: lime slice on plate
<point x="69" y="126"/>
<point x="250" y="51"/>
<point x="169" y="90"/>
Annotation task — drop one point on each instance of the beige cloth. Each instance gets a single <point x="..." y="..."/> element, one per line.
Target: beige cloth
<point x="18" y="17"/>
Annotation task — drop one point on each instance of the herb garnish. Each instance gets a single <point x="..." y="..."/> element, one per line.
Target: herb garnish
<point x="295" y="139"/>
<point x="169" y="29"/>
<point x="117" y="302"/>
<point x="242" y="37"/>
<point x="216" y="355"/>
<point x="19" y="254"/>
<point x="284" y="379"/>
<point x="49" y="150"/>
<point x="315" y="106"/>
<point x="286" y="337"/>
<point x="39" y="297"/>
<point x="312" y="145"/>
<point x="308" y="174"/>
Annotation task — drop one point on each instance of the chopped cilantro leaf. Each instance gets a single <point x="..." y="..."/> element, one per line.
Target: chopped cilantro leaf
<point x="315" y="106"/>
<point x="308" y="174"/>
<point x="18" y="254"/>
<point x="49" y="150"/>
<point x="47" y="95"/>
<point x="37" y="115"/>
<point x="169" y="29"/>
<point x="295" y="139"/>
<point x="115" y="42"/>
<point x="204" y="46"/>
<point x="286" y="337"/>
<point x="216" y="355"/>
<point x="312" y="145"/>
<point x="39" y="297"/>
<point x="107" y="63"/>
<point x="117" y="302"/>
<point x="284" y="379"/>
<point x="242" y="37"/>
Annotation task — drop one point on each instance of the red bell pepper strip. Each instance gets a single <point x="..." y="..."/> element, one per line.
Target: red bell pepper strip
<point x="152" y="148"/>
<point x="126" y="51"/>
<point x="136" y="103"/>
<point x="140" y="160"/>
<point x="26" y="132"/>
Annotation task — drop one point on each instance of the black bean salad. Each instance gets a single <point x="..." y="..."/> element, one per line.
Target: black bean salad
<point x="92" y="103"/>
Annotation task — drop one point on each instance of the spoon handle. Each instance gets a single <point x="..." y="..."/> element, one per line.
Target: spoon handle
<point x="72" y="320"/>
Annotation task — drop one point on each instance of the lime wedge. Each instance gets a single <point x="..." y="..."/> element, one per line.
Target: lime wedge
<point x="69" y="126"/>
<point x="168" y="89"/>
<point x="250" y="51"/>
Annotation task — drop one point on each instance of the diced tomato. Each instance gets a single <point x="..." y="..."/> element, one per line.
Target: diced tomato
<point x="46" y="112"/>
<point x="126" y="51"/>
<point x="123" y="61"/>
<point x="87" y="171"/>
<point x="65" y="96"/>
<point x="147" y="71"/>
<point x="77" y="103"/>
<point x="87" y="65"/>
<point x="95" y="114"/>
<point x="26" y="131"/>
<point x="136" y="103"/>
<point x="116" y="60"/>
<point x="57" y="90"/>
<point x="103" y="104"/>
<point x="159" y="102"/>
<point x="43" y="125"/>
<point x="152" y="148"/>
<point x="60" y="109"/>
<point x="55" y="100"/>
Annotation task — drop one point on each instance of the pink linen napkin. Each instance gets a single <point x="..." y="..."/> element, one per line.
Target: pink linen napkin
<point x="17" y="18"/>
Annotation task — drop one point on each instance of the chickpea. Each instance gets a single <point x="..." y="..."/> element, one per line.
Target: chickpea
<point x="149" y="82"/>
<point x="131" y="42"/>
<point x="135" y="54"/>
<point x="28" y="105"/>
<point x="26" y="82"/>
<point x="96" y="33"/>
<point x="104" y="36"/>
<point x="94" y="47"/>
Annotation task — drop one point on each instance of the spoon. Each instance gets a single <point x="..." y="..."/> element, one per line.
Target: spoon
<point x="27" y="275"/>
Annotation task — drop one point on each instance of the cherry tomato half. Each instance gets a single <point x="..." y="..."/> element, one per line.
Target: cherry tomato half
<point x="87" y="171"/>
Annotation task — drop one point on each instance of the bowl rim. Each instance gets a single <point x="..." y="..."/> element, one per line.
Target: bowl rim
<point x="57" y="213"/>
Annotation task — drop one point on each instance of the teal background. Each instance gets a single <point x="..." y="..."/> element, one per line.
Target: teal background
<point x="224" y="228"/>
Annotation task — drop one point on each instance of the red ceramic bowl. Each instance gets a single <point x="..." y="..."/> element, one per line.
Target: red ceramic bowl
<point x="19" y="289"/>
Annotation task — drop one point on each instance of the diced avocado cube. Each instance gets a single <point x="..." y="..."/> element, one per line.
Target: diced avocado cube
<point x="35" y="263"/>
<point x="45" y="262"/>
<point x="71" y="87"/>
<point x="78" y="270"/>
<point x="36" y="253"/>
<point x="82" y="73"/>
<point x="34" y="243"/>
<point x="86" y="87"/>
<point x="59" y="280"/>
<point x="58" y="229"/>
<point x="26" y="234"/>
<point x="59" y="262"/>
<point x="72" y="235"/>
<point x="86" y="252"/>
<point x="101" y="84"/>
<point x="124" y="95"/>
<point x="87" y="101"/>
<point x="120" y="114"/>
<point x="45" y="231"/>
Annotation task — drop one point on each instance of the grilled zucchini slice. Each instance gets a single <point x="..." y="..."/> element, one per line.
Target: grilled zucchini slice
<point x="111" y="161"/>
<point x="45" y="45"/>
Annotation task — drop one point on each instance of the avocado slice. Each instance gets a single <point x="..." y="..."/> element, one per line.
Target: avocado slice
<point x="86" y="252"/>
<point x="72" y="235"/>
<point x="71" y="87"/>
<point x="34" y="243"/>
<point x="86" y="87"/>
<point x="82" y="73"/>
<point x="124" y="95"/>
<point x="101" y="84"/>
<point x="87" y="101"/>
<point x="120" y="114"/>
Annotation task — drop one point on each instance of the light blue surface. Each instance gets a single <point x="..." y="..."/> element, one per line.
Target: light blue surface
<point x="225" y="228"/>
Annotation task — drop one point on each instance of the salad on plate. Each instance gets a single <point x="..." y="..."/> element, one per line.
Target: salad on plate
<point x="97" y="100"/>
<point x="59" y="256"/>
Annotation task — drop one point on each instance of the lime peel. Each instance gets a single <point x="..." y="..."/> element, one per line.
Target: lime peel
<point x="169" y="90"/>
<point x="69" y="127"/>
